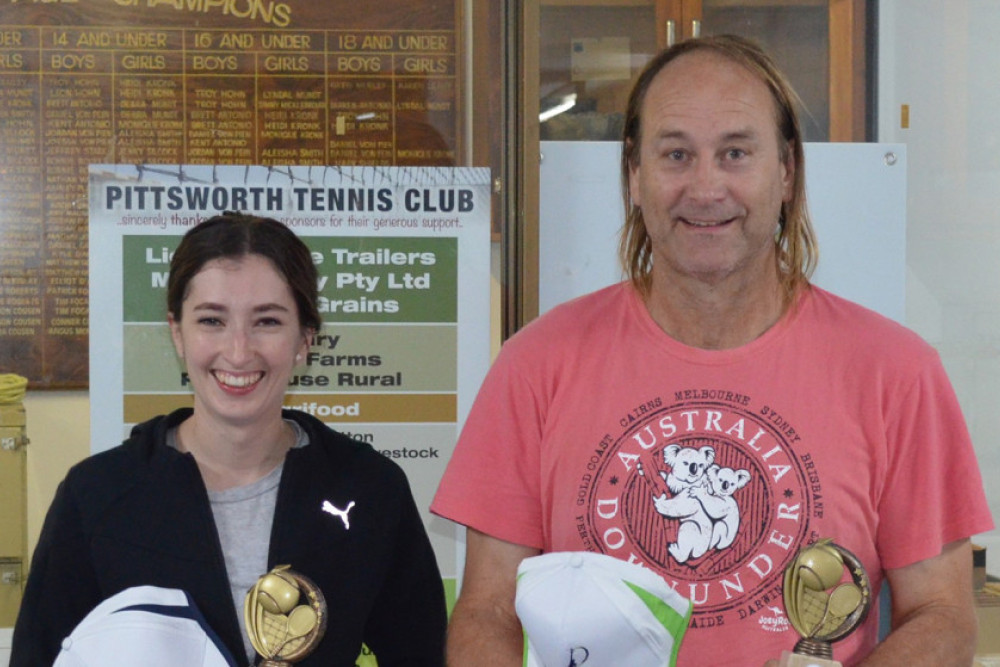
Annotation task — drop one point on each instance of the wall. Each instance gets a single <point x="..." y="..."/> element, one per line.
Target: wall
<point x="939" y="58"/>
<point x="58" y="426"/>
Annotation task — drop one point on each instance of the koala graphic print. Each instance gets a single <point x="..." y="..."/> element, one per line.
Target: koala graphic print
<point x="706" y="490"/>
<point x="702" y="500"/>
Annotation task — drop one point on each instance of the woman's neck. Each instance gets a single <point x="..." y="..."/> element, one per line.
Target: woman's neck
<point x="230" y="456"/>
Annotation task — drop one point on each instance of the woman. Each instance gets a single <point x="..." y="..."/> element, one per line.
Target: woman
<point x="206" y="500"/>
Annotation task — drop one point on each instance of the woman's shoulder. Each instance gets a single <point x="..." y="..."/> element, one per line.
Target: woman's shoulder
<point x="342" y="451"/>
<point x="106" y="475"/>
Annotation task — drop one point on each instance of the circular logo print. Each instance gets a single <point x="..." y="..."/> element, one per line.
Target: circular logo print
<point x="708" y="494"/>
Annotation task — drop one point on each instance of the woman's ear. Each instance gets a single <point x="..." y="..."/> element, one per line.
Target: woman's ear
<point x="175" y="334"/>
<point x="307" y="339"/>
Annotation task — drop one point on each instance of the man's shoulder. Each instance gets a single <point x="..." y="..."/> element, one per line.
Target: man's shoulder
<point x="859" y="326"/>
<point x="557" y="336"/>
<point x="583" y="313"/>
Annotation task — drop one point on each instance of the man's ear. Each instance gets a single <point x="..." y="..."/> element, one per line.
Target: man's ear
<point x="788" y="177"/>
<point x="633" y="173"/>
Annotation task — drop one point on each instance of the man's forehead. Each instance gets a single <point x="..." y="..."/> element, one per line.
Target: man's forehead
<point x="707" y="63"/>
<point x="707" y="89"/>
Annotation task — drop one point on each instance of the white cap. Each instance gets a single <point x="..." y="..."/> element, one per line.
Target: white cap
<point x="148" y="626"/>
<point x="582" y="609"/>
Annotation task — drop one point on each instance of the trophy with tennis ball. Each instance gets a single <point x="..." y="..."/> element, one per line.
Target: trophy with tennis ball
<point x="285" y="616"/>
<point x="827" y="596"/>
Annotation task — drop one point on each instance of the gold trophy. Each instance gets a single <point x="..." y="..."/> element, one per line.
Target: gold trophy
<point x="285" y="616"/>
<point x="827" y="595"/>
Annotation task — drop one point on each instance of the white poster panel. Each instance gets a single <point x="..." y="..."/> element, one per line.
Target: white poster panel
<point x="403" y="256"/>
<point x="857" y="201"/>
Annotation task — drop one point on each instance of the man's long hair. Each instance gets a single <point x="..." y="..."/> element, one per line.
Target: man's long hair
<point x="795" y="242"/>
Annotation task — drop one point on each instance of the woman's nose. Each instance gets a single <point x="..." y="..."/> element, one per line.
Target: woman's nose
<point x="239" y="347"/>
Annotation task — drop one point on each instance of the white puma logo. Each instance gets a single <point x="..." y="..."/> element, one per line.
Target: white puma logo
<point x="329" y="507"/>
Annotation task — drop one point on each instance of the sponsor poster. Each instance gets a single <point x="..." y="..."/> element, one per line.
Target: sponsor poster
<point x="403" y="262"/>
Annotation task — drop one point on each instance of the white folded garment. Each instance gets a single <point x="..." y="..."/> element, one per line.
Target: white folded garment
<point x="582" y="609"/>
<point x="144" y="626"/>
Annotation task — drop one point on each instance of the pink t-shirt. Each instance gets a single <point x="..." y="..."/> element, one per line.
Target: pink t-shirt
<point x="835" y="423"/>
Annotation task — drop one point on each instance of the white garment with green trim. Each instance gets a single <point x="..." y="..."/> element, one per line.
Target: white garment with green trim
<point x="582" y="609"/>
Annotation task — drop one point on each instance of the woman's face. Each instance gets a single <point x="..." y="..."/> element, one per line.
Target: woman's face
<point x="240" y="338"/>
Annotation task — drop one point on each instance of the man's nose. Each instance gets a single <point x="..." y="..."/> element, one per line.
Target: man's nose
<point x="706" y="180"/>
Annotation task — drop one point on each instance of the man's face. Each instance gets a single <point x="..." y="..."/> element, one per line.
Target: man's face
<point x="710" y="178"/>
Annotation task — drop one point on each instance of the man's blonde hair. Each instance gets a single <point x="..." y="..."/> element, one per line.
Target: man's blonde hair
<point x="795" y="241"/>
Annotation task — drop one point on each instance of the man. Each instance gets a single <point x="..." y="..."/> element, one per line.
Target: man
<point x="715" y="413"/>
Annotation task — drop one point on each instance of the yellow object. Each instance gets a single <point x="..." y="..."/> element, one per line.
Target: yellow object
<point x="289" y="634"/>
<point x="277" y="594"/>
<point x="988" y="616"/>
<point x="13" y="501"/>
<point x="12" y="388"/>
<point x="366" y="658"/>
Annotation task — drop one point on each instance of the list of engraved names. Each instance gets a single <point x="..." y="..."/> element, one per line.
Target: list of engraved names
<point x="74" y="96"/>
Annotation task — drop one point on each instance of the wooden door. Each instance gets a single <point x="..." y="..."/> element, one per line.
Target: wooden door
<point x="555" y="58"/>
<point x="814" y="41"/>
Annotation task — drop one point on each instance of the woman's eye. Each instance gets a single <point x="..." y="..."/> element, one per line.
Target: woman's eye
<point x="209" y="321"/>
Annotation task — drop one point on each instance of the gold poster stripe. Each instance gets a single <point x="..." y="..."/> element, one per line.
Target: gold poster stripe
<point x="341" y="408"/>
<point x="140" y="407"/>
<point x="384" y="408"/>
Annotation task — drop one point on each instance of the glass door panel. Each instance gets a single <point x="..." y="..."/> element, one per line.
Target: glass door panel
<point x="589" y="53"/>
<point x="590" y="50"/>
<point x="797" y="36"/>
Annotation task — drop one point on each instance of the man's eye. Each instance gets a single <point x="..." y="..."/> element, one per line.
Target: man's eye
<point x="210" y="321"/>
<point x="735" y="153"/>
<point x="676" y="155"/>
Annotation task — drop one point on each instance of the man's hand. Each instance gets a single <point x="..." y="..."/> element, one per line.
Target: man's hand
<point x="933" y="616"/>
<point x="484" y="629"/>
<point x="933" y="619"/>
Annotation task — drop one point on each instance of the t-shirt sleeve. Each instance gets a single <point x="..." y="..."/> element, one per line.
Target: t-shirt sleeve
<point x="933" y="493"/>
<point x="492" y="482"/>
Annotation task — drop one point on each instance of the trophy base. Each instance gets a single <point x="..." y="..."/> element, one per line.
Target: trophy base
<point x="789" y="659"/>
<point x="275" y="663"/>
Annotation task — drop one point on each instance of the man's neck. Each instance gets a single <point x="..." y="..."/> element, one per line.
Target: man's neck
<point x="716" y="316"/>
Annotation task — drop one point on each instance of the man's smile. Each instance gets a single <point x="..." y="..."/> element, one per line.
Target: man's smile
<point x="706" y="223"/>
